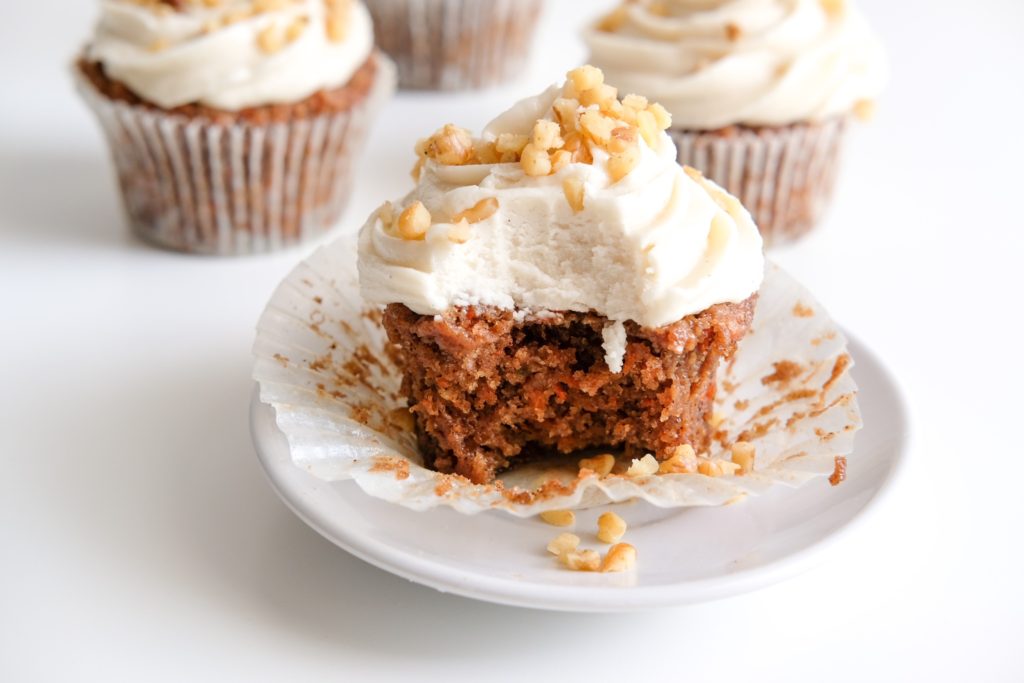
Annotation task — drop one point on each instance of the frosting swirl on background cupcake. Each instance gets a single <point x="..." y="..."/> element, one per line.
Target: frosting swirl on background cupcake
<point x="715" y="63"/>
<point x="571" y="200"/>
<point x="231" y="54"/>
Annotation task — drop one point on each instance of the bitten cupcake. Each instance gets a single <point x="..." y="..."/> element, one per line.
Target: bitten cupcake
<point x="455" y="44"/>
<point x="561" y="282"/>
<point x="761" y="92"/>
<point x="233" y="124"/>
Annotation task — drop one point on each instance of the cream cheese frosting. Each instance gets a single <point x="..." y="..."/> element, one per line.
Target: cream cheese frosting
<point x="653" y="246"/>
<point x="715" y="63"/>
<point x="231" y="54"/>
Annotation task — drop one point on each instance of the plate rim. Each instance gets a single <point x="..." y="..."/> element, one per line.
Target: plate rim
<point x="585" y="598"/>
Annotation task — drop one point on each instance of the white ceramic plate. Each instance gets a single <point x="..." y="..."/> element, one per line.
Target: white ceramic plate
<point x="685" y="555"/>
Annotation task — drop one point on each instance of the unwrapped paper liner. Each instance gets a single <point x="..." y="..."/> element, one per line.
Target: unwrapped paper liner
<point x="323" y="363"/>
<point x="784" y="176"/>
<point x="196" y="185"/>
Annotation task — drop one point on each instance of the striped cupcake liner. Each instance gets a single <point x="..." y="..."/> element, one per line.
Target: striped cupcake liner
<point x="784" y="176"/>
<point x="455" y="44"/>
<point x="194" y="185"/>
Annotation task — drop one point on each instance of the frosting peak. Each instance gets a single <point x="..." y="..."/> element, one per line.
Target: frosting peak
<point x="563" y="205"/>
<point x="715" y="63"/>
<point x="231" y="54"/>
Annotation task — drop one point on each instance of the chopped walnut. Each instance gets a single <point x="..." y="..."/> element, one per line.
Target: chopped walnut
<point x="659" y="8"/>
<point x="535" y="161"/>
<point x="559" y="517"/>
<point x="717" y="468"/>
<point x="336" y="22"/>
<point x="635" y="103"/>
<point x="486" y="152"/>
<point x="586" y="117"/>
<point x="642" y="467"/>
<point x="573" y="189"/>
<point x="610" y="527"/>
<point x="263" y="6"/>
<point x="620" y="164"/>
<point x="481" y="211"/>
<point x="414" y="222"/>
<point x="560" y="160"/>
<point x="864" y="110"/>
<point x="581" y="560"/>
<point x="585" y="78"/>
<point x="648" y="126"/>
<point x="295" y="29"/>
<point x="743" y="455"/>
<point x="614" y="20"/>
<point x="661" y="116"/>
<point x="682" y="461"/>
<point x="563" y="543"/>
<point x="511" y="142"/>
<point x="451" y="146"/>
<point x="271" y="39"/>
<point x="596" y="126"/>
<point x="833" y="8"/>
<point x="621" y="557"/>
<point x="603" y="96"/>
<point x="601" y="465"/>
<point x="546" y="135"/>
<point x="622" y="139"/>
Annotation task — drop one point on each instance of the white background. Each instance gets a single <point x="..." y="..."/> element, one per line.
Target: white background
<point x="139" y="540"/>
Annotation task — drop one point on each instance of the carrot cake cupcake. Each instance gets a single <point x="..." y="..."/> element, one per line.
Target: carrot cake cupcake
<point x="456" y="44"/>
<point x="560" y="282"/>
<point x="760" y="91"/>
<point x="233" y="124"/>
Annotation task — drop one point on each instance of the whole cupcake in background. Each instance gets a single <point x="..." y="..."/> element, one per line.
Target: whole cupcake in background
<point x="455" y="44"/>
<point x="233" y="124"/>
<point x="561" y="282"/>
<point x="761" y="92"/>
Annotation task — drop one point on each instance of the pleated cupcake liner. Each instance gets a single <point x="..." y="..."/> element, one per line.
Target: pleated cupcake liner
<point x="455" y="44"/>
<point x="195" y="185"/>
<point x="784" y="176"/>
<point x="324" y="364"/>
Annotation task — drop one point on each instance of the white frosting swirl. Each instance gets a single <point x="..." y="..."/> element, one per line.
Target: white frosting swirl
<point x="171" y="58"/>
<point x="713" y="63"/>
<point x="655" y="246"/>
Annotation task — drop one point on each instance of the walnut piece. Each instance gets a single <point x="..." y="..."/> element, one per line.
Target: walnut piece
<point x="610" y="527"/>
<point x="559" y="517"/>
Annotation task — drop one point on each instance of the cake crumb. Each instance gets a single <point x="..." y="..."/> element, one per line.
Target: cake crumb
<point x="801" y="310"/>
<point x="785" y="371"/>
<point x="839" y="473"/>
